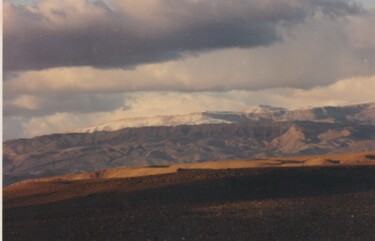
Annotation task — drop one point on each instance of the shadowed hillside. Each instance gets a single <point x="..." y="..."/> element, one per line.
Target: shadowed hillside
<point x="307" y="203"/>
<point x="74" y="153"/>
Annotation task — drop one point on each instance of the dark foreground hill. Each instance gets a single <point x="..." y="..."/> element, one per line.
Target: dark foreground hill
<point x="299" y="203"/>
<point x="81" y="152"/>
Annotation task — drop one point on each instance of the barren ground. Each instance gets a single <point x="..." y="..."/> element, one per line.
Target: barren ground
<point x="290" y="203"/>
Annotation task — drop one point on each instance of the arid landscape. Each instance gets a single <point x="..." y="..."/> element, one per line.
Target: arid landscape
<point x="327" y="197"/>
<point x="250" y="135"/>
<point x="263" y="175"/>
<point x="163" y="120"/>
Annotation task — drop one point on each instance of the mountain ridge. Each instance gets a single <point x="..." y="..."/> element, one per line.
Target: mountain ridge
<point x="81" y="152"/>
<point x="348" y="129"/>
<point x="341" y="114"/>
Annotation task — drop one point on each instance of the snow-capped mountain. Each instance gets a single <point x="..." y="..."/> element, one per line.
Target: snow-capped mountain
<point x="184" y="138"/>
<point x="264" y="109"/>
<point x="173" y="120"/>
<point x="364" y="113"/>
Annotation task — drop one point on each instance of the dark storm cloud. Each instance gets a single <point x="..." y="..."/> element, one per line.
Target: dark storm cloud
<point x="78" y="33"/>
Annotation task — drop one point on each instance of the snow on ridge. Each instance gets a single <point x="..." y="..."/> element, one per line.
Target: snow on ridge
<point x="264" y="109"/>
<point x="252" y="114"/>
<point x="172" y="120"/>
<point x="198" y="118"/>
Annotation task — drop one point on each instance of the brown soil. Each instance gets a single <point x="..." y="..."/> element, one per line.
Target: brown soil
<point x="346" y="159"/>
<point x="299" y="203"/>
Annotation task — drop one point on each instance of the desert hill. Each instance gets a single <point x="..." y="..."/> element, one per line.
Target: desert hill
<point x="326" y="197"/>
<point x="52" y="187"/>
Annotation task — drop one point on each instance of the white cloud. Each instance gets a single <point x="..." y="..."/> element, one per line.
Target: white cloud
<point x="26" y="102"/>
<point x="347" y="91"/>
<point x="50" y="124"/>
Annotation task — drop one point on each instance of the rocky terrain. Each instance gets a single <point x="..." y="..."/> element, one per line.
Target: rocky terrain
<point x="81" y="152"/>
<point x="334" y="201"/>
<point x="259" y="132"/>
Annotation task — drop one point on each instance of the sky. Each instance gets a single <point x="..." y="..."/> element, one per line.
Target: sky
<point x="74" y="63"/>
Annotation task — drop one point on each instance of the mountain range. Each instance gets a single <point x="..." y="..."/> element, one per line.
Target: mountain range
<point x="358" y="114"/>
<point x="257" y="133"/>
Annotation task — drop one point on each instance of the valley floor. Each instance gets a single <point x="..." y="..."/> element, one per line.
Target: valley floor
<point x="291" y="203"/>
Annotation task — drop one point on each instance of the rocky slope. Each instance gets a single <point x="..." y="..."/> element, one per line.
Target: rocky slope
<point x="81" y="152"/>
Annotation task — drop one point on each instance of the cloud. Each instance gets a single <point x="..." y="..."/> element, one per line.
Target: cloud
<point x="54" y="33"/>
<point x="362" y="31"/>
<point x="343" y="92"/>
<point x="315" y="53"/>
<point x="51" y="123"/>
<point x="346" y="91"/>
<point x="42" y="105"/>
<point x="69" y="64"/>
